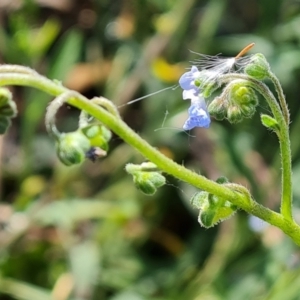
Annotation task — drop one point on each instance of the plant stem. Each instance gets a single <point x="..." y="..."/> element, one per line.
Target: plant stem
<point x="283" y="136"/>
<point x="238" y="198"/>
<point x="281" y="97"/>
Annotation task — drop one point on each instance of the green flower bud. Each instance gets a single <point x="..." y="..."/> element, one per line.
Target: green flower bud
<point x="148" y="182"/>
<point x="244" y="95"/>
<point x="215" y="210"/>
<point x="209" y="88"/>
<point x="206" y="218"/>
<point x="218" y="108"/>
<point x="146" y="177"/>
<point x="106" y="133"/>
<point x="258" y="67"/>
<point x="72" y="147"/>
<point x="247" y="111"/>
<point x="269" y="122"/>
<point x="98" y="136"/>
<point x="234" y="114"/>
<point x="212" y="209"/>
<point x="205" y="82"/>
<point x="242" y="101"/>
<point x="199" y="199"/>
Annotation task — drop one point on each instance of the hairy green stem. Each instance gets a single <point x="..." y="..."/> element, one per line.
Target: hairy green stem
<point x="281" y="97"/>
<point x="52" y="109"/>
<point x="83" y="118"/>
<point x="237" y="197"/>
<point x="284" y="139"/>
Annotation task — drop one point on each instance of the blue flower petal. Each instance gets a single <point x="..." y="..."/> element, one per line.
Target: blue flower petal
<point x="187" y="80"/>
<point x="190" y="94"/>
<point x="198" y="116"/>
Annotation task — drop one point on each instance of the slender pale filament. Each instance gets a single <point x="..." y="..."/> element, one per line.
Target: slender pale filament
<point x="245" y="50"/>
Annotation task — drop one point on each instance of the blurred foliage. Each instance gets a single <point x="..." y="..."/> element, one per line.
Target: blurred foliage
<point x="86" y="232"/>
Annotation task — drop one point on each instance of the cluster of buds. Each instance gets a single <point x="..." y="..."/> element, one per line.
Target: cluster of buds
<point x="237" y="100"/>
<point x="235" y="103"/>
<point x="88" y="142"/>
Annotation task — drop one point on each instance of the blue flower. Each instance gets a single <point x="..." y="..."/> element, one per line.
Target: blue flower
<point x="187" y="80"/>
<point x="198" y="114"/>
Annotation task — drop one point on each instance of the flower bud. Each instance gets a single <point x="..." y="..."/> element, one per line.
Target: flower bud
<point x="98" y="135"/>
<point x="146" y="177"/>
<point x="242" y="101"/>
<point x="205" y="81"/>
<point x="234" y="114"/>
<point x="218" y="108"/>
<point x="242" y="95"/>
<point x="214" y="214"/>
<point x="72" y="147"/>
<point x="206" y="218"/>
<point x="269" y="122"/>
<point x="213" y="209"/>
<point x="258" y="67"/>
<point x="148" y="182"/>
<point x="199" y="199"/>
<point x="247" y="111"/>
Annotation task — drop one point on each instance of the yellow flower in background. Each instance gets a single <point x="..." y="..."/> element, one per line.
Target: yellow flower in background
<point x="165" y="71"/>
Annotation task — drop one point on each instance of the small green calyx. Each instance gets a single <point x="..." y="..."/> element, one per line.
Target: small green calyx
<point x="8" y="109"/>
<point x="148" y="183"/>
<point x="258" y="67"/>
<point x="212" y="209"/>
<point x="205" y="83"/>
<point x="98" y="135"/>
<point x="146" y="177"/>
<point x="218" y="108"/>
<point x="234" y="114"/>
<point x="72" y="147"/>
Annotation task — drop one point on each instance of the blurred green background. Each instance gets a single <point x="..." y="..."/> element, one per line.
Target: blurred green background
<point x="85" y="232"/>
